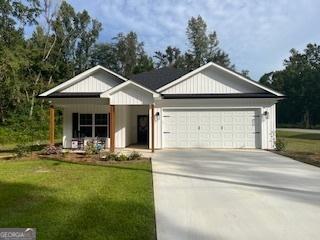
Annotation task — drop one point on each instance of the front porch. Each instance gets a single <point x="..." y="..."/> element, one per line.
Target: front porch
<point x="109" y="126"/>
<point x="105" y="107"/>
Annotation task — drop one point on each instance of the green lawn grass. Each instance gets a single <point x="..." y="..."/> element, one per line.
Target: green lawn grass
<point x="300" y="142"/>
<point x="304" y="147"/>
<point x="73" y="201"/>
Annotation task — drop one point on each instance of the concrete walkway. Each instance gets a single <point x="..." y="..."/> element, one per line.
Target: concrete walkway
<point x="212" y="194"/>
<point x="300" y="130"/>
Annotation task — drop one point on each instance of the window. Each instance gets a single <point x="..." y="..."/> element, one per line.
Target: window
<point x="85" y="119"/>
<point x="85" y="125"/>
<point x="93" y="125"/>
<point x="101" y="125"/>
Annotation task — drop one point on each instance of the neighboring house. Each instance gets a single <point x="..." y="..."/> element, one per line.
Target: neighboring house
<point x="210" y="107"/>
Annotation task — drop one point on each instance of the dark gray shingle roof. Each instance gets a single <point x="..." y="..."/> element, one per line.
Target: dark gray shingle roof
<point x="157" y="78"/>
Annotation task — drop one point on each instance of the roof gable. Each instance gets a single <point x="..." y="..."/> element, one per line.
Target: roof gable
<point x="129" y="93"/>
<point x="99" y="81"/>
<point x="213" y="79"/>
<point x="96" y="79"/>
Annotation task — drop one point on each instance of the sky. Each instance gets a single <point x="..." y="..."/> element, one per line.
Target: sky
<point x="257" y="34"/>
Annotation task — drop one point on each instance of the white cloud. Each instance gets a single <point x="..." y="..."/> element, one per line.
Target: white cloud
<point x="256" y="34"/>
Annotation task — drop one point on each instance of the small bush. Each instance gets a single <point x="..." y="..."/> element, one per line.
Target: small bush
<point x="51" y="149"/>
<point x="111" y="156"/>
<point x="91" y="148"/>
<point x="122" y="157"/>
<point x="280" y="144"/>
<point x="134" y="155"/>
<point x="22" y="150"/>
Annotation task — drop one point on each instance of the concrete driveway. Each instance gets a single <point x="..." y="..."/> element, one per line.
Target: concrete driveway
<point x="219" y="194"/>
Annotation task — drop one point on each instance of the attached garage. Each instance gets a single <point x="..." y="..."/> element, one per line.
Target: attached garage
<point x="211" y="128"/>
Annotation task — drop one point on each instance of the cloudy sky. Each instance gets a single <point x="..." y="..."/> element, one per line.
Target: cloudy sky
<point x="257" y="34"/>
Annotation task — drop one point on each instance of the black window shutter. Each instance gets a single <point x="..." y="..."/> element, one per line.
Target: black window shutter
<point x="108" y="134"/>
<point x="75" y="125"/>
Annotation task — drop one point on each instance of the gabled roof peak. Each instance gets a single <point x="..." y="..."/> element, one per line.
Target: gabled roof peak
<point x="79" y="77"/>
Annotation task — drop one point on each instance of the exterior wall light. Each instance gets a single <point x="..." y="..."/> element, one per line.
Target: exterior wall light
<point x="157" y="115"/>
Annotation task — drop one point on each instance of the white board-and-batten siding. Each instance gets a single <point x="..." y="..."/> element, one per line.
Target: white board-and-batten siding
<point x="211" y="81"/>
<point x="131" y="95"/>
<point x="99" y="81"/>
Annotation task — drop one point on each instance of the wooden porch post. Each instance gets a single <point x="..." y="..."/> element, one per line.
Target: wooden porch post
<point x="51" y="125"/>
<point x="112" y="127"/>
<point x="152" y="127"/>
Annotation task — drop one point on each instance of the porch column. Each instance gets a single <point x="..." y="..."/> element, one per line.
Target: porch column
<point x="112" y="127"/>
<point x="152" y="127"/>
<point x="51" y="125"/>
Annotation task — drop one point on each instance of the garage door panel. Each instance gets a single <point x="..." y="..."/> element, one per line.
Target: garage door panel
<point x="239" y="128"/>
<point x="211" y="128"/>
<point x="205" y="127"/>
<point x="227" y="128"/>
<point x="216" y="136"/>
<point x="216" y="128"/>
<point x="182" y="127"/>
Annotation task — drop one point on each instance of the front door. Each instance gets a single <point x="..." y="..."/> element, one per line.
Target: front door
<point x="143" y="129"/>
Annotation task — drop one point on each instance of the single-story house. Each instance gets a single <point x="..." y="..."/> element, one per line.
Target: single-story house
<point x="209" y="107"/>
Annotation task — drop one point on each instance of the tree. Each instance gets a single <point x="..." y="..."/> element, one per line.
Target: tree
<point x="171" y="58"/>
<point x="299" y="81"/>
<point x="13" y="51"/>
<point x="89" y="32"/>
<point x="104" y="54"/>
<point x="204" y="47"/>
<point x="125" y="55"/>
<point x="64" y="41"/>
<point x="245" y="73"/>
<point x="14" y="16"/>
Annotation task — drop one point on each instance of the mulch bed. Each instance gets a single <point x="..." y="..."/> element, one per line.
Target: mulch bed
<point x="308" y="158"/>
<point x="87" y="159"/>
<point x="75" y="158"/>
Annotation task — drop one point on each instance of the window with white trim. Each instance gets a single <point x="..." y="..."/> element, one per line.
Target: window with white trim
<point x="93" y="125"/>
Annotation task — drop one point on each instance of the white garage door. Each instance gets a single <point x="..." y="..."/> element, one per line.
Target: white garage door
<point x="211" y="128"/>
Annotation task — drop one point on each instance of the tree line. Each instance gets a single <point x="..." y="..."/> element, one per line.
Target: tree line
<point x="300" y="82"/>
<point x="64" y="42"/>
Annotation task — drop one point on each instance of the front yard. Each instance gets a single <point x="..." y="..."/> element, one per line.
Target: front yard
<point x="304" y="147"/>
<point x="73" y="201"/>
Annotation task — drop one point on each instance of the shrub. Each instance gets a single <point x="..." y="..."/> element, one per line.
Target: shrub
<point x="110" y="156"/>
<point x="51" y="149"/>
<point x="106" y="156"/>
<point x="122" y="157"/>
<point x="134" y="155"/>
<point x="280" y="144"/>
<point x="22" y="150"/>
<point x="91" y="148"/>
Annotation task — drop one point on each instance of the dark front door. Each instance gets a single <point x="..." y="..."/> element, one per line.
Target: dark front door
<point x="143" y="129"/>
